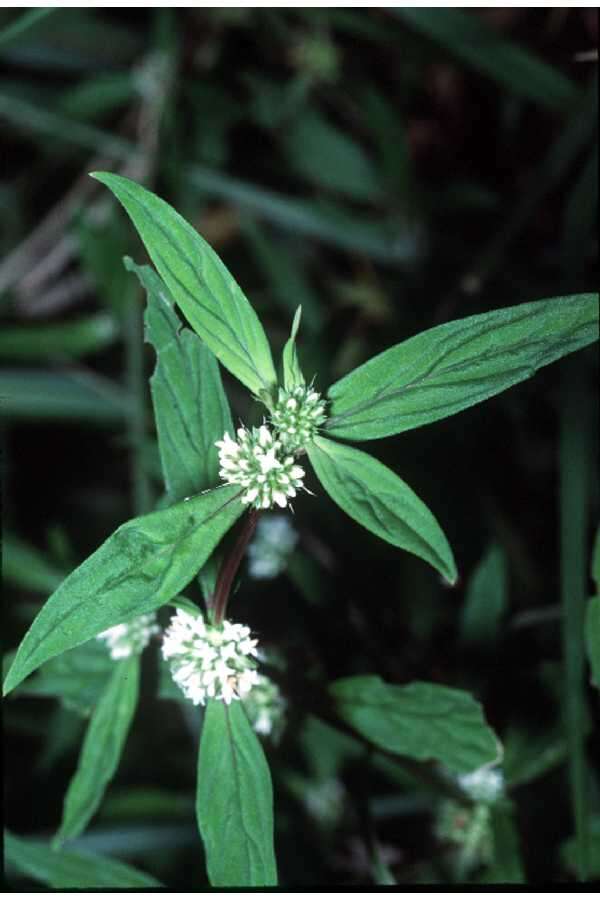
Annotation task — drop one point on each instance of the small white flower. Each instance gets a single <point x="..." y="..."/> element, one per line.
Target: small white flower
<point x="297" y="416"/>
<point x="257" y="462"/>
<point x="210" y="660"/>
<point x="130" y="637"/>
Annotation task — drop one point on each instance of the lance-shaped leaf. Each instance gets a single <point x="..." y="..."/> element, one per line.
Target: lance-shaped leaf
<point x="450" y="367"/>
<point x="380" y="501"/>
<point x="292" y="376"/>
<point x="102" y="748"/>
<point x="234" y="802"/>
<point x="420" y="720"/>
<point x="139" y="568"/>
<point x="67" y="869"/>
<point x="190" y="405"/>
<point x="200" y="284"/>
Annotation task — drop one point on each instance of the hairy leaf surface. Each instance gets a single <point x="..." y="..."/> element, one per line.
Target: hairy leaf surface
<point x="138" y="569"/>
<point x="200" y="284"/>
<point x="102" y="748"/>
<point x="420" y="720"/>
<point x="234" y="803"/>
<point x="453" y="366"/>
<point x="378" y="499"/>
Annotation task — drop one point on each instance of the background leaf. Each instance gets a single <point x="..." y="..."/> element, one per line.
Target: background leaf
<point x="77" y="678"/>
<point x="139" y="568"/>
<point x="450" y="367"/>
<point x="234" y="800"/>
<point x="486" y="598"/>
<point x="102" y="747"/>
<point x="420" y="720"/>
<point x="200" y="284"/>
<point x="592" y="637"/>
<point x="379" y="500"/>
<point x="62" y="869"/>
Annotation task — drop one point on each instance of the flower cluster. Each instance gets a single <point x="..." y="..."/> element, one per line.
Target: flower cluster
<point x="273" y="542"/>
<point x="130" y="637"/>
<point x="258" y="462"/>
<point x="209" y="661"/>
<point x="297" y="416"/>
<point x="266" y="707"/>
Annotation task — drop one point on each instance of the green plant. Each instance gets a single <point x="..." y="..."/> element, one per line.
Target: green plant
<point x="150" y="560"/>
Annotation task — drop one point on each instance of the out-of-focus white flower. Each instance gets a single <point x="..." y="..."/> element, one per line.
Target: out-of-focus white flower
<point x="483" y="785"/>
<point x="266" y="707"/>
<point x="210" y="661"/>
<point x="297" y="416"/>
<point x="274" y="540"/>
<point x="131" y="637"/>
<point x="259" y="463"/>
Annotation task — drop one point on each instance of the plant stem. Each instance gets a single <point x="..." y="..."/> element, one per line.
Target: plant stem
<point x="573" y="464"/>
<point x="136" y="383"/>
<point x="230" y="566"/>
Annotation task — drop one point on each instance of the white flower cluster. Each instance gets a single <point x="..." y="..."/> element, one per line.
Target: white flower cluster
<point x="273" y="542"/>
<point x="258" y="463"/>
<point x="266" y="707"/>
<point x="131" y="637"/>
<point x="483" y="785"/>
<point x="209" y="661"/>
<point x="297" y="416"/>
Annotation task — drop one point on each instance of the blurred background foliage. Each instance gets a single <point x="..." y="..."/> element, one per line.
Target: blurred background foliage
<point x="389" y="169"/>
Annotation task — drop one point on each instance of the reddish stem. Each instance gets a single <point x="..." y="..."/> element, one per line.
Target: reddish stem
<point x="230" y="566"/>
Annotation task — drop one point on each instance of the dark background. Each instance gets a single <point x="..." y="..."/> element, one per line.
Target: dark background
<point x="359" y="163"/>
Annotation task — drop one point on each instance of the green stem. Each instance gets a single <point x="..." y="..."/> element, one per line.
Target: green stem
<point x="573" y="520"/>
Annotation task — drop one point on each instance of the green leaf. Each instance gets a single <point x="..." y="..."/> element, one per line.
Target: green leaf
<point x="592" y="638"/>
<point x="44" y="394"/>
<point x="234" y="801"/>
<point x="77" y="678"/>
<point x="138" y="569"/>
<point x="66" y="339"/>
<point x="25" y="566"/>
<point x="420" y="720"/>
<point x="378" y="499"/>
<point x="66" y="869"/>
<point x="486" y="598"/>
<point x="190" y="405"/>
<point x="200" y="284"/>
<point x="292" y="376"/>
<point x="471" y="39"/>
<point x="453" y="366"/>
<point x="102" y="748"/>
<point x="326" y="156"/>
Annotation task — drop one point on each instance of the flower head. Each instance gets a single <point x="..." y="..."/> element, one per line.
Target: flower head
<point x="210" y="661"/>
<point x="130" y="637"/>
<point x="483" y="785"/>
<point x="258" y="462"/>
<point x="297" y="416"/>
